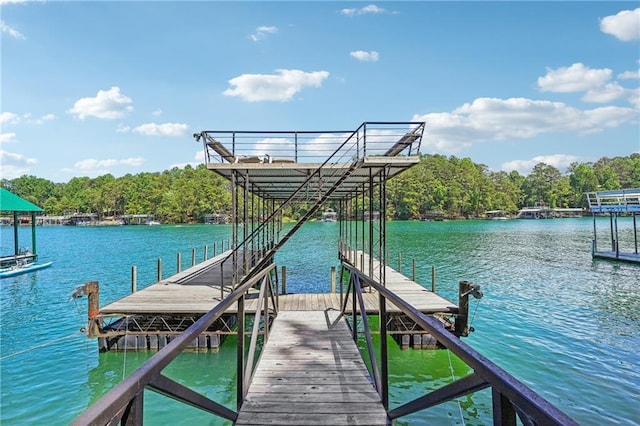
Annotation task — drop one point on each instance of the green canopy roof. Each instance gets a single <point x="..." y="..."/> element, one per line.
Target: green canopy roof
<point x="10" y="202"/>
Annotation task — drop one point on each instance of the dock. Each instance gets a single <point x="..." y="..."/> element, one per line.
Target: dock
<point x="297" y="355"/>
<point x="616" y="203"/>
<point x="311" y="373"/>
<point x="149" y="318"/>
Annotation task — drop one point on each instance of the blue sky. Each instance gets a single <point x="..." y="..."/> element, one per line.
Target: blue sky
<point x="90" y="88"/>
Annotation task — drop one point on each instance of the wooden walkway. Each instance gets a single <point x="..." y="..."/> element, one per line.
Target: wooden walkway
<point x="310" y="372"/>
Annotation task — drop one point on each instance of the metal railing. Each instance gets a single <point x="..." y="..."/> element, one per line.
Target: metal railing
<point x="367" y="139"/>
<point x="511" y="397"/>
<point x="124" y="403"/>
<point x="622" y="200"/>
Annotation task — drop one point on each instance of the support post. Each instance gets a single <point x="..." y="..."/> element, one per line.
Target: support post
<point x="193" y="257"/>
<point x="178" y="262"/>
<point x="205" y="255"/>
<point x="384" y="370"/>
<point x="284" y="280"/>
<point x="134" y="279"/>
<point x="635" y="233"/>
<point x="159" y="269"/>
<point x="462" y="320"/>
<point x="333" y="279"/>
<point x="413" y="269"/>
<point x="433" y="278"/>
<point x="92" y="290"/>
<point x="240" y="355"/>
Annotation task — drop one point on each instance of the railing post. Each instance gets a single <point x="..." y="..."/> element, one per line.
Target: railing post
<point x="284" y="280"/>
<point x="240" y="354"/>
<point x="159" y="269"/>
<point x="503" y="412"/>
<point x="333" y="279"/>
<point x="413" y="270"/>
<point x="433" y="278"/>
<point x="133" y="414"/>
<point x="205" y="254"/>
<point x="178" y="261"/>
<point x="384" y="370"/>
<point x="193" y="257"/>
<point x="134" y="279"/>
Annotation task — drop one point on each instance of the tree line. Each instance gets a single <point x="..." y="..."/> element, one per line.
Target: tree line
<point x="451" y="186"/>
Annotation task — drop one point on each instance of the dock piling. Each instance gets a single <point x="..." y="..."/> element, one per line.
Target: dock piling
<point x="159" y="269"/>
<point x="134" y="279"/>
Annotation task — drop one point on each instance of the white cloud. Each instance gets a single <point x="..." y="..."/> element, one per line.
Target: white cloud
<point x="493" y="119"/>
<point x="524" y="167"/>
<point x="363" y="56"/>
<point x="165" y="129"/>
<point x="6" y="137"/>
<point x="13" y="33"/>
<point x="101" y="166"/>
<point x="123" y="128"/>
<point x="15" y="165"/>
<point x="280" y="87"/>
<point x="370" y="9"/>
<point x="108" y="104"/>
<point x="9" y="118"/>
<point x="275" y="147"/>
<point x="157" y="112"/>
<point x="625" y="25"/>
<point x="576" y="78"/>
<point x="629" y="75"/>
<point x="606" y="93"/>
<point x="262" y="32"/>
<point x="41" y="120"/>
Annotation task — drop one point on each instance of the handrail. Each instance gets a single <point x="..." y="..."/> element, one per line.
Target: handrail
<point x="126" y="397"/>
<point x="510" y="396"/>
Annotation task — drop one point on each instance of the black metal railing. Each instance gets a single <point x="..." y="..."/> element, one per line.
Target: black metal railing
<point x="511" y="397"/>
<point x="125" y="402"/>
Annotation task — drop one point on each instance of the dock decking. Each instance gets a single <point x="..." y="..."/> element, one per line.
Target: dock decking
<point x="197" y="290"/>
<point x="311" y="372"/>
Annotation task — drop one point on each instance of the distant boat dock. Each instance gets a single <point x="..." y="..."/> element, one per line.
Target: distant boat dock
<point x="615" y="203"/>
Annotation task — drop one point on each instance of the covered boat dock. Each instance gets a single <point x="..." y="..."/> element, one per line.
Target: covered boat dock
<point x="623" y="202"/>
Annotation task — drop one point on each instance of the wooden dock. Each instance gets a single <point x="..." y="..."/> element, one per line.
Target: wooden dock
<point x="310" y="372"/>
<point x="197" y="290"/>
<point x="148" y="319"/>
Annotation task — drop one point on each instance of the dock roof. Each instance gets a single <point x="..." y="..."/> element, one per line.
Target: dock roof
<point x="10" y="202"/>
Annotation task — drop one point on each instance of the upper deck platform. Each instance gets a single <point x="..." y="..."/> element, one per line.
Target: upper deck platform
<point x="280" y="163"/>
<point x="618" y="201"/>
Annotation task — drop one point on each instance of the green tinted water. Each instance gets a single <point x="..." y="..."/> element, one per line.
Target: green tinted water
<point x="562" y="323"/>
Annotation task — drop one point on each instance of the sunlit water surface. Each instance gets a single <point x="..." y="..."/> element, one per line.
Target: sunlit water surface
<point x="562" y="323"/>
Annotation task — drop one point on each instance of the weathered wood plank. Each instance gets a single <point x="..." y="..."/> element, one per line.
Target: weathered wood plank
<point x="311" y="372"/>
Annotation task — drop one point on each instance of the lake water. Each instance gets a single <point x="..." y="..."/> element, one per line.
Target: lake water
<point x="564" y="324"/>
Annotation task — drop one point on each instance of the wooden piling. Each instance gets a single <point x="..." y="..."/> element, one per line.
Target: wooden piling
<point x="159" y="269"/>
<point x="284" y="280"/>
<point x="333" y="279"/>
<point x="433" y="278"/>
<point x="134" y="279"/>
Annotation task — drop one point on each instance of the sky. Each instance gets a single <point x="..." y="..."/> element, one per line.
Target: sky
<point x="90" y="88"/>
